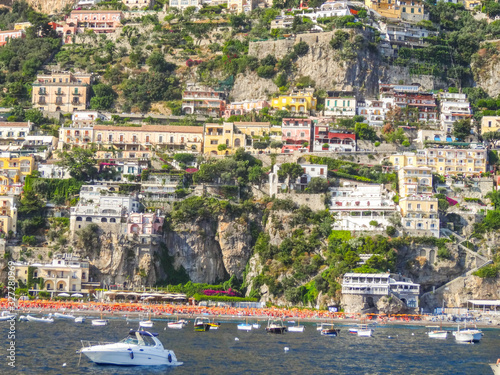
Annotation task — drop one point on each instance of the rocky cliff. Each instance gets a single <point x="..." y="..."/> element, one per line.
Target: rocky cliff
<point x="485" y="66"/>
<point x="50" y="6"/>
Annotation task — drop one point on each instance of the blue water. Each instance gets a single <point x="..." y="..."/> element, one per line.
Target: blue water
<point x="44" y="348"/>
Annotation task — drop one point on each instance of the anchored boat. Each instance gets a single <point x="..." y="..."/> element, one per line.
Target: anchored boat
<point x="275" y="326"/>
<point x="328" y="329"/>
<point x="139" y="348"/>
<point x="201" y="324"/>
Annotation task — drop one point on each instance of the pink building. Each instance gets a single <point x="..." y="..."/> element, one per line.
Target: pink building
<point x="100" y="21"/>
<point x="296" y="134"/>
<point x="241" y="108"/>
<point x="144" y="223"/>
<point x="6" y="35"/>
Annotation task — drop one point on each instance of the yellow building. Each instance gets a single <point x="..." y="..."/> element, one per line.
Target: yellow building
<point x="62" y="91"/>
<point x="409" y="10"/>
<point x="444" y="161"/>
<point x="490" y="124"/>
<point x="22" y="25"/>
<point x="471" y="4"/>
<point x="415" y="180"/>
<point x="8" y="214"/>
<point x="13" y="171"/>
<point x="234" y="136"/>
<point x="65" y="274"/>
<point x="298" y="101"/>
<point x="419" y="215"/>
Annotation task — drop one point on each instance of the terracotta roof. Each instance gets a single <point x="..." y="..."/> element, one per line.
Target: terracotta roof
<point x="14" y="124"/>
<point x="152" y="128"/>
<point x="11" y="31"/>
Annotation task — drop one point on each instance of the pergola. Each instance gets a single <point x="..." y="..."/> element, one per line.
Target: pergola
<point x="491" y="304"/>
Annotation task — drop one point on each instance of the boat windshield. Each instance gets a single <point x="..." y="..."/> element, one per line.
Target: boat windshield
<point x="130" y="340"/>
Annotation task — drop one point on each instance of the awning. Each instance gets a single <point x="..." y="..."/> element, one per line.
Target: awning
<point x="484" y="302"/>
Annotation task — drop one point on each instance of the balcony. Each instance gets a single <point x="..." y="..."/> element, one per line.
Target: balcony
<point x="42" y="92"/>
<point x="76" y="93"/>
<point x="59" y="93"/>
<point x="42" y="101"/>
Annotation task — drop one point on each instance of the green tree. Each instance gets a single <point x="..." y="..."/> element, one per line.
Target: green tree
<point x="157" y="63"/>
<point x="317" y="185"/>
<point x="34" y="115"/>
<point x="104" y="97"/>
<point x="494" y="196"/>
<point x="462" y="129"/>
<point x="491" y="137"/>
<point x="30" y="204"/>
<point x="80" y="162"/>
<point x="365" y="132"/>
<point x="290" y="170"/>
<point x="222" y="147"/>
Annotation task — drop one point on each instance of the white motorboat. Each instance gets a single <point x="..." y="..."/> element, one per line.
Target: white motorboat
<point x="255" y="325"/>
<point x="245" y="326"/>
<point x="328" y="329"/>
<point x="79" y="319"/>
<point x="100" y="322"/>
<point x="178" y="324"/>
<point x="39" y="320"/>
<point x="437" y="333"/>
<point x="468" y="335"/>
<point x="364" y="331"/>
<point x="297" y="328"/>
<point x="7" y="315"/>
<point x="140" y="348"/>
<point x="23" y="318"/>
<point x="64" y="316"/>
<point x="495" y="367"/>
<point x="146" y="323"/>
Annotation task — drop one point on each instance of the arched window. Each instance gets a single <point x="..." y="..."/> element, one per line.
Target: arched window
<point x="104" y="220"/>
<point x="237" y="142"/>
<point x="79" y="218"/>
<point x="112" y="220"/>
<point x="88" y="219"/>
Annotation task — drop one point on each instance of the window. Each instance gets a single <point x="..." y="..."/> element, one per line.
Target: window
<point x="409" y="206"/>
<point x="214" y="142"/>
<point x="110" y="137"/>
<point x="160" y="139"/>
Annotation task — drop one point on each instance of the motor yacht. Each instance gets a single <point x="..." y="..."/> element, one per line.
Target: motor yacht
<point x="139" y="348"/>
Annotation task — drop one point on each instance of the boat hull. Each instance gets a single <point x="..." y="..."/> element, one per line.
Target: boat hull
<point x="201" y="327"/>
<point x="245" y="327"/>
<point x="276" y="330"/>
<point x="330" y="332"/>
<point x="464" y="336"/>
<point x="99" y="322"/>
<point x="296" y="329"/>
<point x="80" y="319"/>
<point x="438" y="335"/>
<point x="7" y="317"/>
<point x="39" y="320"/>
<point x="63" y="316"/>
<point x="256" y="326"/>
<point x="106" y="355"/>
<point x="495" y="368"/>
<point x="365" y="332"/>
<point x="146" y="324"/>
<point x="175" y="325"/>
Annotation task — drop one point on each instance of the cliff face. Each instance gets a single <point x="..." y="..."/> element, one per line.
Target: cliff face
<point x="485" y="66"/>
<point x="50" y="6"/>
<point x="210" y="250"/>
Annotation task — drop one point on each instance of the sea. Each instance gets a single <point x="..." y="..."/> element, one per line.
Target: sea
<point x="52" y="349"/>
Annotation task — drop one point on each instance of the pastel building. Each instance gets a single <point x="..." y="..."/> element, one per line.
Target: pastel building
<point x="415" y="181"/>
<point x="65" y="274"/>
<point x="204" y="101"/>
<point x="332" y="8"/>
<point x="14" y="132"/>
<point x="7" y="35"/>
<point x="340" y="106"/>
<point x="99" y="21"/>
<point x="183" y="4"/>
<point x="326" y="139"/>
<point x="62" y="91"/>
<point x="296" y="134"/>
<point x="244" y="107"/>
<point x="276" y="185"/>
<point x="490" y="124"/>
<point x="137" y="4"/>
<point x="144" y="223"/>
<point x="8" y="214"/>
<point x="358" y="206"/>
<point x="454" y="107"/>
<point x="13" y="172"/>
<point x="444" y="161"/>
<point x="374" y="110"/>
<point x="298" y="101"/>
<point x="419" y="215"/>
<point x="215" y="135"/>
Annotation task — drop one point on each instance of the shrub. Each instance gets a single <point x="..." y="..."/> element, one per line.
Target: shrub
<point x="29" y="240"/>
<point x="444" y="253"/>
<point x="487" y="272"/>
<point x="376" y="144"/>
<point x="301" y="48"/>
<point x="390" y="230"/>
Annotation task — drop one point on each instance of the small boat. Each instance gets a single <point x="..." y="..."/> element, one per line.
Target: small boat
<point x="79" y="319"/>
<point x="327" y="329"/>
<point x="353" y="330"/>
<point x="319" y="326"/>
<point x="139" y="348"/>
<point x="146" y="323"/>
<point x="178" y="324"/>
<point x="245" y="326"/>
<point x="275" y="326"/>
<point x="39" y="320"/>
<point x="214" y="325"/>
<point x="255" y="325"/>
<point x="23" y="318"/>
<point x="437" y="333"/>
<point x="468" y="335"/>
<point x="7" y="315"/>
<point x="364" y="331"/>
<point x="297" y="328"/>
<point x="496" y="367"/>
<point x="63" y="316"/>
<point x="201" y="324"/>
<point x="100" y="322"/>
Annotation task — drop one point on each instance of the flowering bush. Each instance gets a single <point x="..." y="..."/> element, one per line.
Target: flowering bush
<point x="228" y="293"/>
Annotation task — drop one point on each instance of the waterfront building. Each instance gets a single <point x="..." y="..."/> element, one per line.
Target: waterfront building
<point x="65" y="274"/>
<point x="62" y="91"/>
<point x="454" y="107"/>
<point x="144" y="223"/>
<point x="370" y="287"/>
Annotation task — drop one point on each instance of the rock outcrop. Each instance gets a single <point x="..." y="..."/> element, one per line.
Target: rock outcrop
<point x="391" y="305"/>
<point x="50" y="6"/>
<point x="485" y="66"/>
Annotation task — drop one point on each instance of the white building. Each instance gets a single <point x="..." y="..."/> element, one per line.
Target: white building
<point x="137" y="4"/>
<point x="381" y="284"/>
<point x="341" y="107"/>
<point x="79" y="133"/>
<point x="88" y="116"/>
<point x="331" y="8"/>
<point x="101" y="204"/>
<point x="14" y="132"/>
<point x="454" y="107"/>
<point x="310" y="171"/>
<point x="356" y="205"/>
<point x="183" y="4"/>
<point x="374" y="111"/>
<point x="50" y="169"/>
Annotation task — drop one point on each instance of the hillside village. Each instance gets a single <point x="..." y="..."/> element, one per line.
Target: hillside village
<point x="308" y="154"/>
